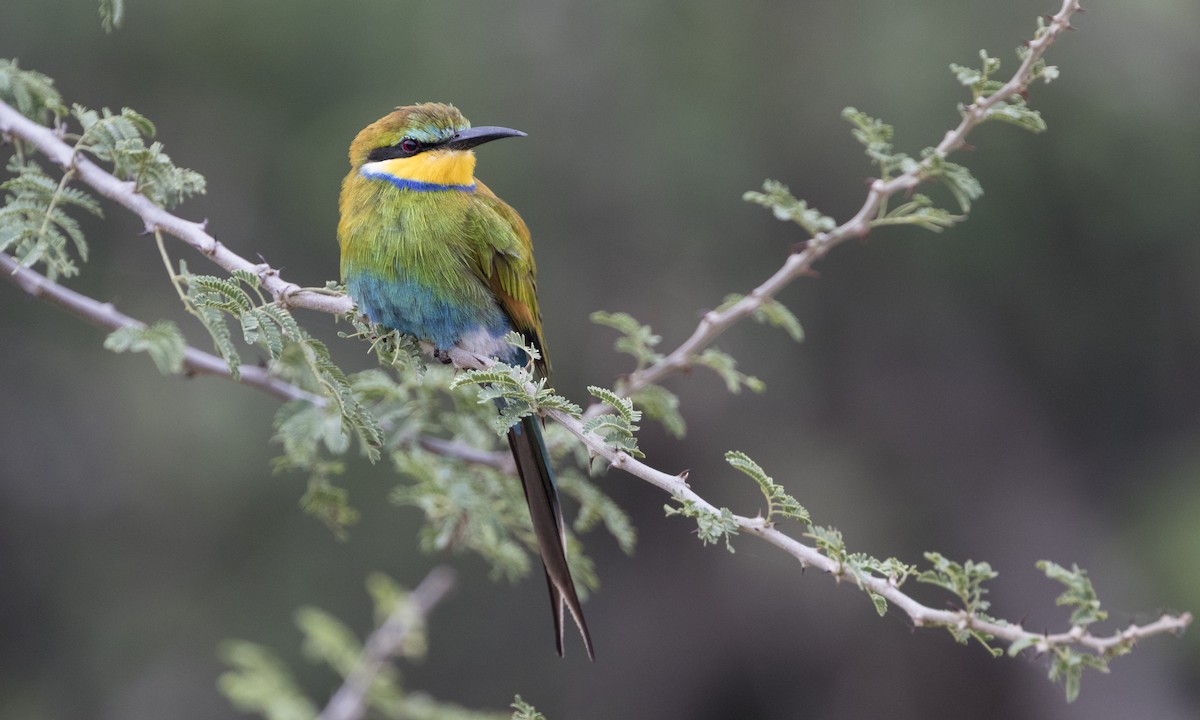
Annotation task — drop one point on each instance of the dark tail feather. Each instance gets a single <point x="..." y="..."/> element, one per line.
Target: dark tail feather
<point x="529" y="451"/>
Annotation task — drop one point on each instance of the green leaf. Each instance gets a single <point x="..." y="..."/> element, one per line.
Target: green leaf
<point x="919" y="211"/>
<point x="616" y="429"/>
<point x="636" y="339"/>
<point x="1016" y="112"/>
<point x="957" y="178"/>
<point x="162" y="342"/>
<point x="779" y="503"/>
<point x="118" y="139"/>
<point x="259" y="682"/>
<point x="34" y="224"/>
<point x="524" y="711"/>
<point x="329" y="504"/>
<point x="595" y="507"/>
<point x="711" y="526"/>
<point x="725" y="366"/>
<point x="662" y="405"/>
<point x="1079" y="595"/>
<point x="30" y="92"/>
<point x="1022" y="643"/>
<point x="112" y="14"/>
<point x="776" y="196"/>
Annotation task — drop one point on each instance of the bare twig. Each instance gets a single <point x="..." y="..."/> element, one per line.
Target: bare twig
<point x="350" y="700"/>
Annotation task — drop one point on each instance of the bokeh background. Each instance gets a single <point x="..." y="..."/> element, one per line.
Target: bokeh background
<point x="1025" y="386"/>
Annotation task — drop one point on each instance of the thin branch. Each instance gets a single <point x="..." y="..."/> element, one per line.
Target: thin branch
<point x="198" y="362"/>
<point x="156" y="218"/>
<point x="800" y="263"/>
<point x="921" y="615"/>
<point x="105" y="315"/>
<point x="350" y="700"/>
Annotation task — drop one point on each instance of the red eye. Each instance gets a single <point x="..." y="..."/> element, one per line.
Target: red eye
<point x="410" y="146"/>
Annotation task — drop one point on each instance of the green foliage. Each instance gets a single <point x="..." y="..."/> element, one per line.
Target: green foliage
<point x="30" y="92"/>
<point x="467" y="506"/>
<point x="295" y="355"/>
<point x="596" y="508"/>
<point x="119" y="140"/>
<point x="724" y="365"/>
<point x="639" y="341"/>
<point x="1013" y="110"/>
<point x="1068" y="665"/>
<point x="957" y="178"/>
<point x="162" y="342"/>
<point x="861" y="565"/>
<point x="258" y="682"/>
<point x="112" y="14"/>
<point x="617" y="429"/>
<point x="876" y="136"/>
<point x="636" y="339"/>
<point x="712" y="526"/>
<point x="661" y="405"/>
<point x="1079" y="595"/>
<point x="524" y="711"/>
<point x="776" y="197"/>
<point x="771" y="312"/>
<point x="34" y="224"/>
<point x="919" y="211"/>
<point x="515" y="392"/>
<point x="965" y="580"/>
<point x="779" y="503"/>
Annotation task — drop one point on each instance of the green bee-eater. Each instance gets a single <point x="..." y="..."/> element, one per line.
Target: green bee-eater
<point x="430" y="251"/>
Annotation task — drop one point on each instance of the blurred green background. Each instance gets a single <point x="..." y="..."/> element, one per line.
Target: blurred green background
<point x="1025" y="386"/>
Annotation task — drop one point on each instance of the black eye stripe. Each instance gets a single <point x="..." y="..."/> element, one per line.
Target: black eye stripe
<point x="406" y="147"/>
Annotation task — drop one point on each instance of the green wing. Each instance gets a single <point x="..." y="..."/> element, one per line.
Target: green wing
<point x="504" y="262"/>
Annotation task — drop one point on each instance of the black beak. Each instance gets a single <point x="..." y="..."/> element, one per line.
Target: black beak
<point x="469" y="138"/>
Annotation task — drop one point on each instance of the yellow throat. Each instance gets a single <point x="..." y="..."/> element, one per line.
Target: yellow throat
<point x="436" y="167"/>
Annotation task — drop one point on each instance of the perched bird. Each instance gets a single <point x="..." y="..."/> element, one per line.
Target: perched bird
<point x="430" y="251"/>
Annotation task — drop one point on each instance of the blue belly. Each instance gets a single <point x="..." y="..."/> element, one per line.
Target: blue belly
<point x="427" y="314"/>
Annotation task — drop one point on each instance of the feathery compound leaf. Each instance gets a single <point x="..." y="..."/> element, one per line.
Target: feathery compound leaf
<point x="779" y="503"/>
<point x="957" y="178"/>
<point x="776" y="196"/>
<point x="659" y="403"/>
<point x="1016" y="112"/>
<point x="112" y="14"/>
<point x="770" y="312"/>
<point x="595" y="508"/>
<point x="259" y="682"/>
<point x="724" y="365"/>
<point x="637" y="339"/>
<point x="119" y="139"/>
<point x="1080" y="595"/>
<point x="34" y="224"/>
<point x="30" y="92"/>
<point x="162" y="342"/>
<point x="711" y="527"/>
<point x="966" y="581"/>
<point x="524" y="711"/>
<point x="919" y="211"/>
<point x="622" y="405"/>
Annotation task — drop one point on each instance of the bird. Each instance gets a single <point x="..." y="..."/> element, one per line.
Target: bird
<point x="428" y="250"/>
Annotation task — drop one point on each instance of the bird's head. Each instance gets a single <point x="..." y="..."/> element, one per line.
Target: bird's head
<point x="428" y="143"/>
